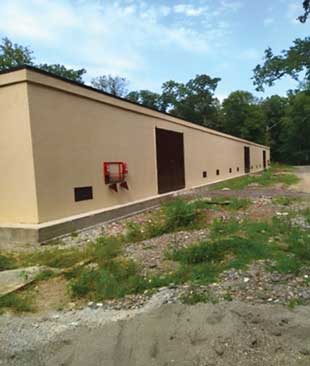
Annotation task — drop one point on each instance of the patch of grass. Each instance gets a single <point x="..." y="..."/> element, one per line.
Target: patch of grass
<point x="45" y="275"/>
<point x="306" y="215"/>
<point x="115" y="280"/>
<point x="295" y="302"/>
<point x="268" y="177"/>
<point x="7" y="262"/>
<point x="134" y="232"/>
<point x="173" y="216"/>
<point x="229" y="203"/>
<point x="53" y="257"/>
<point x="18" y="303"/>
<point x="195" y="297"/>
<point x="285" y="200"/>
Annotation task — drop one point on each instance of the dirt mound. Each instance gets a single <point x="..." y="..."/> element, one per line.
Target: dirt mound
<point x="202" y="335"/>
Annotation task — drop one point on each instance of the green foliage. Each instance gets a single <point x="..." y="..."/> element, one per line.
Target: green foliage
<point x="195" y="297"/>
<point x="268" y="177"/>
<point x="179" y="214"/>
<point x="274" y="109"/>
<point x="13" y="55"/>
<point x="134" y="232"/>
<point x="194" y="101"/>
<point x="290" y="62"/>
<point x="7" y="262"/>
<point x="148" y="99"/>
<point x="295" y="142"/>
<point x="55" y="258"/>
<point x="18" y="303"/>
<point x="243" y="117"/>
<point x="114" y="280"/>
<point x="284" y="200"/>
<point x="45" y="275"/>
<point x="306" y="5"/>
<point x="173" y="216"/>
<point x="306" y="214"/>
<point x="114" y="85"/>
<point x="64" y="72"/>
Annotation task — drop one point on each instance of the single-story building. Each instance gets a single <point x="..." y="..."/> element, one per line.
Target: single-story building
<point x="72" y="156"/>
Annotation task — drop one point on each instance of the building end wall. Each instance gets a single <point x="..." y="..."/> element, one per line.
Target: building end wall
<point x="18" y="202"/>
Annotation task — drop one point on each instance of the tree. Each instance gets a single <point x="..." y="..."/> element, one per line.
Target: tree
<point x="62" y="71"/>
<point x="296" y="143"/>
<point x="13" y="55"/>
<point x="194" y="101"/>
<point x="243" y="117"/>
<point x="274" y="109"/>
<point x="306" y="5"/>
<point x="148" y="99"/>
<point x="114" y="85"/>
<point x="291" y="63"/>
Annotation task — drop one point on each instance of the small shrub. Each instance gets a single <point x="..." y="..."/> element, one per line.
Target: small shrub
<point x="55" y="258"/>
<point x="306" y="214"/>
<point x="134" y="232"/>
<point x="284" y="200"/>
<point x="7" y="262"/>
<point x="45" y="275"/>
<point x="287" y="264"/>
<point x="179" y="214"/>
<point x="105" y="249"/>
<point x="116" y="279"/>
<point x="195" y="297"/>
<point x="18" y="303"/>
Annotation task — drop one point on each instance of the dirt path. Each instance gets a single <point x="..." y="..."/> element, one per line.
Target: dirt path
<point x="303" y="172"/>
<point x="230" y="333"/>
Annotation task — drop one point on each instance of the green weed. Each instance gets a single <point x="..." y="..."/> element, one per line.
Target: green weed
<point x="7" y="262"/>
<point x="17" y="303"/>
<point x="195" y="297"/>
<point x="268" y="177"/>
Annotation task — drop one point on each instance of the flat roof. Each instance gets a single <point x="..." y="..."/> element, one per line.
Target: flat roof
<point x="122" y="103"/>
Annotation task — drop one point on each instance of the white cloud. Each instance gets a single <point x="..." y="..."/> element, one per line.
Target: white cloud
<point x="114" y="36"/>
<point x="189" y="10"/>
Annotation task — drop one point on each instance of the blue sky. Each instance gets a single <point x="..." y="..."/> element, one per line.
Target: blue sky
<point x="152" y="41"/>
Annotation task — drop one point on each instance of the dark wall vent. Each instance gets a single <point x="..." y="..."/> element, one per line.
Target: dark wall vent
<point x="217" y="172"/>
<point x="204" y="174"/>
<point x="83" y="193"/>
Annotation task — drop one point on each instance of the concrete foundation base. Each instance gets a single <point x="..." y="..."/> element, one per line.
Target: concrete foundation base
<point x="42" y="233"/>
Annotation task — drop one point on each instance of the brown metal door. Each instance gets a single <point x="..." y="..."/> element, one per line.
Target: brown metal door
<point x="247" y="159"/>
<point x="170" y="160"/>
<point x="264" y="159"/>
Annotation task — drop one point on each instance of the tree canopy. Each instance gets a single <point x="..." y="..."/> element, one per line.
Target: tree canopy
<point x="306" y="5"/>
<point x="13" y="55"/>
<point x="114" y="85"/>
<point x="291" y="62"/>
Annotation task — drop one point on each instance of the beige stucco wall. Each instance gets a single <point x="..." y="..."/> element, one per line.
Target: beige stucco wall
<point x="74" y="130"/>
<point x="18" y="202"/>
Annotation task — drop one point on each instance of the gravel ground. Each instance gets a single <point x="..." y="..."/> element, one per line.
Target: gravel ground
<point x="230" y="333"/>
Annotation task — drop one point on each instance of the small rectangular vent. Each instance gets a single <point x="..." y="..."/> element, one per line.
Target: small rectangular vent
<point x="230" y="170"/>
<point x="217" y="172"/>
<point x="204" y="174"/>
<point x="83" y="193"/>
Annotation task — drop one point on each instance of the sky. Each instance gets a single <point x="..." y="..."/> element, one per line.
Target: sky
<point x="152" y="41"/>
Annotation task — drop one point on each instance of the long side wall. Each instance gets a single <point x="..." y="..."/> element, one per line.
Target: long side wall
<point x="18" y="203"/>
<point x="73" y="136"/>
